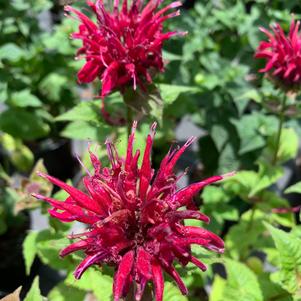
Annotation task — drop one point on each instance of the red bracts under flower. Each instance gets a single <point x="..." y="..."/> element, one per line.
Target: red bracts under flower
<point x="124" y="45"/>
<point x="135" y="218"/>
<point x="283" y="55"/>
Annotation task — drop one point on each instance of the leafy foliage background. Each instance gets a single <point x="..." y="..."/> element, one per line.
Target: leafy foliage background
<point x="212" y="79"/>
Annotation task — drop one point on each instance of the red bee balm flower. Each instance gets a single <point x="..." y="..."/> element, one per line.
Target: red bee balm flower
<point x="124" y="44"/>
<point x="134" y="218"/>
<point x="283" y="55"/>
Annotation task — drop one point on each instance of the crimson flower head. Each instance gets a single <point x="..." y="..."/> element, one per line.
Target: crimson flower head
<point x="124" y="47"/>
<point x="134" y="219"/>
<point x="282" y="54"/>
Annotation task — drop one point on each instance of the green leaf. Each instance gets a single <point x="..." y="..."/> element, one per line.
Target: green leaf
<point x="84" y="111"/>
<point x="19" y="154"/>
<point x="41" y="5"/>
<point x="288" y="146"/>
<point x="251" y="223"/>
<point x="271" y="290"/>
<point x="288" y="246"/>
<point x="214" y="195"/>
<point x="289" y="143"/>
<point x="22" y="124"/>
<point x="267" y="175"/>
<point x="220" y="136"/>
<point x="172" y="293"/>
<point x="24" y="99"/>
<point x="57" y="41"/>
<point x="171" y="56"/>
<point x="49" y="244"/>
<point x="250" y="183"/>
<point x="269" y="200"/>
<point x="250" y="138"/>
<point x="52" y="85"/>
<point x="63" y="292"/>
<point x="246" y="179"/>
<point x="170" y="93"/>
<point x="34" y="293"/>
<point x="3" y="91"/>
<point x="251" y="94"/>
<point x="86" y="130"/>
<point x="255" y="264"/>
<point x="11" y="52"/>
<point x="29" y="250"/>
<point x="218" y="287"/>
<point x="93" y="280"/>
<point x="211" y="82"/>
<point x="215" y="205"/>
<point x="20" y="5"/>
<point x="296" y="188"/>
<point x="241" y="284"/>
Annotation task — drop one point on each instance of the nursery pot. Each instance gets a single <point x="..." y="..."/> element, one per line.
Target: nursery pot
<point x="12" y="269"/>
<point x="57" y="157"/>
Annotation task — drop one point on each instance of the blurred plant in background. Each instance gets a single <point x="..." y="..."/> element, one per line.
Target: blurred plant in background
<point x="211" y="81"/>
<point x="37" y="80"/>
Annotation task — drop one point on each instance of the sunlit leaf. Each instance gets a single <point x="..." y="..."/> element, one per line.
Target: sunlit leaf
<point x="34" y="293"/>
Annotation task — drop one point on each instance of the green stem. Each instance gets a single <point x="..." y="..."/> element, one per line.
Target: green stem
<point x="280" y="126"/>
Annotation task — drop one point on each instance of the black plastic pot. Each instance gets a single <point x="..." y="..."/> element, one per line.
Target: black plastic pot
<point x="57" y="157"/>
<point x="12" y="269"/>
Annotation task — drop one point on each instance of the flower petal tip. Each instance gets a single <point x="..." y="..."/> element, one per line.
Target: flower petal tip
<point x="37" y="196"/>
<point x="229" y="174"/>
<point x="190" y="141"/>
<point x="41" y="174"/>
<point x="153" y="128"/>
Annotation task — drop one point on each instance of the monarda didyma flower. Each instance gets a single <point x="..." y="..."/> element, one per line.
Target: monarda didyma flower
<point x="124" y="47"/>
<point x="283" y="55"/>
<point x="135" y="219"/>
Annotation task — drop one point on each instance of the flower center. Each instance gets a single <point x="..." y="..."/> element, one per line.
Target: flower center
<point x="135" y="231"/>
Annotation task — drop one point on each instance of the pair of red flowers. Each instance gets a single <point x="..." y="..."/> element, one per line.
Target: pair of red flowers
<point x="134" y="214"/>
